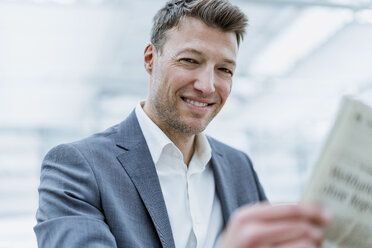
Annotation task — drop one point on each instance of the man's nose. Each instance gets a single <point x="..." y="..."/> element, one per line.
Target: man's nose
<point x="205" y="81"/>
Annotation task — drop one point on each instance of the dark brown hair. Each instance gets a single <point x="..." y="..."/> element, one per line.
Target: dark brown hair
<point x="220" y="14"/>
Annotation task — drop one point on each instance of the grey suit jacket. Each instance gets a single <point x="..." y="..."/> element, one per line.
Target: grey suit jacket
<point x="104" y="191"/>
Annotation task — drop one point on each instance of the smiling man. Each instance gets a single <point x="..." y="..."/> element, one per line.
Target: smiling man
<point x="156" y="180"/>
<point x="190" y="79"/>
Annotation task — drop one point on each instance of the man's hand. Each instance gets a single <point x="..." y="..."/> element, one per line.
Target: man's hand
<point x="282" y="226"/>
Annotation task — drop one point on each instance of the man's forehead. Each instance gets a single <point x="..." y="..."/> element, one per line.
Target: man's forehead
<point x="193" y="24"/>
<point x="193" y="35"/>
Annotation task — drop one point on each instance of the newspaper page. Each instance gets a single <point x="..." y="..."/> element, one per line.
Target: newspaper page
<point x="342" y="177"/>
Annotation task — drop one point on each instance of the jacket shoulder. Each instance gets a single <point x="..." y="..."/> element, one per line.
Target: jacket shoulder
<point x="106" y="137"/>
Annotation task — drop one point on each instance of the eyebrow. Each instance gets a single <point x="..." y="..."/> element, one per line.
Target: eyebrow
<point x="229" y="61"/>
<point x="192" y="50"/>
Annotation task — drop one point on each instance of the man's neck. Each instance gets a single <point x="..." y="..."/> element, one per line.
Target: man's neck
<point x="184" y="142"/>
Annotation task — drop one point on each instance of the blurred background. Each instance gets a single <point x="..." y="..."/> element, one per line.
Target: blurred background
<point x="69" y="68"/>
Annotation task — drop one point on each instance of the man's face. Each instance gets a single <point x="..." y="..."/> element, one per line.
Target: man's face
<point x="191" y="78"/>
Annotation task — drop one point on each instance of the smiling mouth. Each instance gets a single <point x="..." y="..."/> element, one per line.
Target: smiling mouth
<point x="195" y="103"/>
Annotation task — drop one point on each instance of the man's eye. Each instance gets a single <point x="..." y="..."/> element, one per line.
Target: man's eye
<point x="188" y="60"/>
<point x="226" y="70"/>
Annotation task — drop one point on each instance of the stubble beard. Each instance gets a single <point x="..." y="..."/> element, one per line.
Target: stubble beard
<point x="170" y="116"/>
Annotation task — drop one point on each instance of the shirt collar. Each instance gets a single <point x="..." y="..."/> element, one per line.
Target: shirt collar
<point x="203" y="151"/>
<point x="156" y="140"/>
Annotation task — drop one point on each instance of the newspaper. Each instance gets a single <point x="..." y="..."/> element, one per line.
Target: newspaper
<point x="342" y="177"/>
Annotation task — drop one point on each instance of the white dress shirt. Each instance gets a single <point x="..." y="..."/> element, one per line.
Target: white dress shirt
<point x="193" y="207"/>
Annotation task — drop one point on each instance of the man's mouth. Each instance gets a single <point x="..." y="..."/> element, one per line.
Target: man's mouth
<point x="195" y="103"/>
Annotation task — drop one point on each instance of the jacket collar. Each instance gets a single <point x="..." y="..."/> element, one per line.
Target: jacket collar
<point x="224" y="178"/>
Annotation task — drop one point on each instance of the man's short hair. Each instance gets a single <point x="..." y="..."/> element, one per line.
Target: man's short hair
<point x="220" y="14"/>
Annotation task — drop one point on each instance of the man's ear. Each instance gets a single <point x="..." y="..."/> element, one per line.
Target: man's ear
<point x="148" y="57"/>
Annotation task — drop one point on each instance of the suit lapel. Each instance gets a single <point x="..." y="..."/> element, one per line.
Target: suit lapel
<point x="137" y="162"/>
<point x="224" y="187"/>
<point x="236" y="185"/>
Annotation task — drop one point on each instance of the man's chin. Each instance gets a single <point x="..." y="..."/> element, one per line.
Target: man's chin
<point x="196" y="128"/>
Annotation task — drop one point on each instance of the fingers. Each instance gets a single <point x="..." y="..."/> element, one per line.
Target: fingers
<point x="267" y="212"/>
<point x="259" y="234"/>
<point x="263" y="225"/>
<point x="298" y="244"/>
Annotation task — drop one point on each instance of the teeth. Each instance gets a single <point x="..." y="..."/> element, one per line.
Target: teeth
<point x="198" y="104"/>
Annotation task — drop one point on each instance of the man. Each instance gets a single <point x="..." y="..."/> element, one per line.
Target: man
<point x="155" y="180"/>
